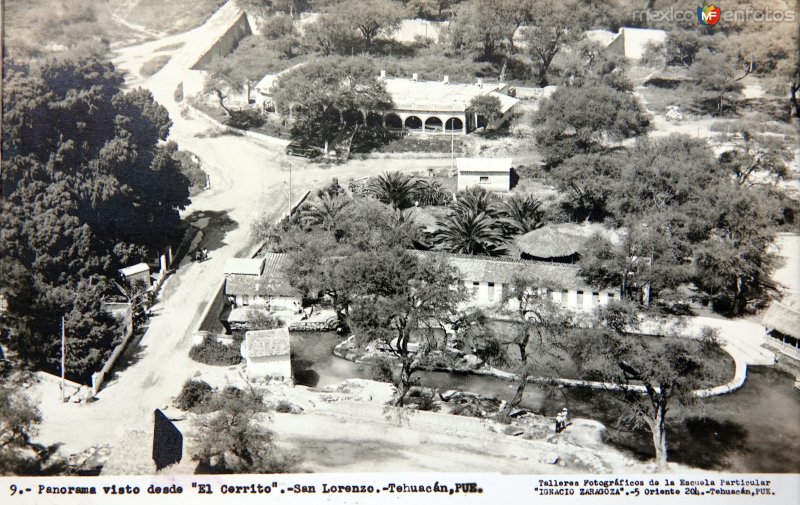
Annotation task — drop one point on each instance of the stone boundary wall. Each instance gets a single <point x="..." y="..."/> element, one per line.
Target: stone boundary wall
<point x="237" y="30"/>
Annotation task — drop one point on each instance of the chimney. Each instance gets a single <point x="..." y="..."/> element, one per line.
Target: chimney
<point x="414" y="77"/>
<point x="446" y="79"/>
<point x="383" y="74"/>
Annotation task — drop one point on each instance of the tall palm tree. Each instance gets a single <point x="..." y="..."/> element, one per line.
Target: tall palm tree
<point x="465" y="231"/>
<point x="395" y="189"/>
<point x="521" y="214"/>
<point x="326" y="212"/>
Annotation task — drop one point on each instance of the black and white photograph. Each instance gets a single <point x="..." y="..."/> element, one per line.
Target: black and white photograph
<point x="302" y="238"/>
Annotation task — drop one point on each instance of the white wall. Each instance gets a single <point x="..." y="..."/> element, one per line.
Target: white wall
<point x="493" y="181"/>
<point x="274" y="366"/>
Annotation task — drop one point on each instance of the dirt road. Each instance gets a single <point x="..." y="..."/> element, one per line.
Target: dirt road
<point x="249" y="179"/>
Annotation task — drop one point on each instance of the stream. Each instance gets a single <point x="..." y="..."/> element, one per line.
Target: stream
<point x="754" y="429"/>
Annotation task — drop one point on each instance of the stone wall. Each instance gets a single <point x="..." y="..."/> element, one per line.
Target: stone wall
<point x="239" y="29"/>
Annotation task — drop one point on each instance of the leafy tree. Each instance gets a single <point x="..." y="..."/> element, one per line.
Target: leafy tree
<point x="395" y="189"/>
<point x="478" y="29"/>
<point x="397" y="296"/>
<point x="539" y="326"/>
<point x="88" y="186"/>
<point x="19" y="420"/>
<point x="752" y="155"/>
<point x="554" y="26"/>
<point x="589" y="181"/>
<point x="329" y="34"/>
<point x="320" y="91"/>
<point x="682" y="46"/>
<point x="734" y="262"/>
<point x="715" y="82"/>
<point x="370" y="18"/>
<point x="589" y="64"/>
<point x="234" y="440"/>
<point x="486" y="106"/>
<point x="584" y="120"/>
<point x="649" y="378"/>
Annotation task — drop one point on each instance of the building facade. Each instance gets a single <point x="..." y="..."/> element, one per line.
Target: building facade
<point x="492" y="174"/>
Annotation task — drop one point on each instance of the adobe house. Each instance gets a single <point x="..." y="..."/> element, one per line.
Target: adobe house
<point x="493" y="174"/>
<point x="260" y="282"/>
<point x="782" y="321"/>
<point x="267" y="354"/>
<point x="487" y="278"/>
<point x="139" y="273"/>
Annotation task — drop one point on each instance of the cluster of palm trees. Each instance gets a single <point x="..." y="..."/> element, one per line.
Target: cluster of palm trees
<point x="477" y="222"/>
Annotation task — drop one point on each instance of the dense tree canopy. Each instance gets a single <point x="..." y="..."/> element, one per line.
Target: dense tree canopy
<point x="577" y="120"/>
<point x="88" y="186"/>
<point x="320" y="92"/>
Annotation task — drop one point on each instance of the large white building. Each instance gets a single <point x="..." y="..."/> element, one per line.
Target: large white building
<point x="487" y="278"/>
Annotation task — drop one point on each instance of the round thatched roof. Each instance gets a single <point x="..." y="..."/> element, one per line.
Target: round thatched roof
<point x="549" y="242"/>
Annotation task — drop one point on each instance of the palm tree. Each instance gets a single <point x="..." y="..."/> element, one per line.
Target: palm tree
<point x="395" y="189"/>
<point x="521" y="214"/>
<point x="326" y="212"/>
<point x="431" y="193"/>
<point x="477" y="200"/>
<point x="468" y="232"/>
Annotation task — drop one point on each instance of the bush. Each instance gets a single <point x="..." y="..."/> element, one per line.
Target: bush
<point x="194" y="395"/>
<point x="212" y="352"/>
<point x="709" y="338"/>
<point x="382" y="369"/>
<point x="151" y="67"/>
<point x="245" y="119"/>
<point x="191" y="169"/>
<point x="284" y="407"/>
<point x="257" y="320"/>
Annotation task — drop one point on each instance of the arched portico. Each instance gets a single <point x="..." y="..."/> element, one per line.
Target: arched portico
<point x="434" y="125"/>
<point x="393" y="121"/>
<point x="453" y="125"/>
<point x="413" y="123"/>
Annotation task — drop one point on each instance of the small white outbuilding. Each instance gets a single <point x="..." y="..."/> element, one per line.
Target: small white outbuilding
<point x="267" y="354"/>
<point x="492" y="174"/>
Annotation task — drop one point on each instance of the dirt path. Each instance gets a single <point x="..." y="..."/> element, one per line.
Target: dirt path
<point x="249" y="179"/>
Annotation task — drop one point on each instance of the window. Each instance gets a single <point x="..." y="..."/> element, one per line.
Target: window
<point x="595" y="299"/>
<point x="484" y="179"/>
<point x="245" y="300"/>
<point x="580" y="298"/>
<point x="491" y="291"/>
<point x="475" y="288"/>
<point x="564" y="294"/>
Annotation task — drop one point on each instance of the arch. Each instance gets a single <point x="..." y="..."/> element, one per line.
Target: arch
<point x="353" y="117"/>
<point x="413" y="123"/>
<point x="393" y="121"/>
<point x="375" y="119"/>
<point x="453" y="124"/>
<point x="434" y="125"/>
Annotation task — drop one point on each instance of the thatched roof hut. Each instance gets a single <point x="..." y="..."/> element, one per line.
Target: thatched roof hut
<point x="550" y="243"/>
<point x="784" y="318"/>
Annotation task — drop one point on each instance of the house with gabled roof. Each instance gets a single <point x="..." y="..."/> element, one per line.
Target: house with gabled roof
<point x="261" y="282"/>
<point x="267" y="353"/>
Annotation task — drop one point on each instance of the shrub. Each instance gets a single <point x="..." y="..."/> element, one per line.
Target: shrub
<point x="245" y="119"/>
<point x="709" y="338"/>
<point x="382" y="369"/>
<point x="191" y="169"/>
<point x="194" y="395"/>
<point x="257" y="320"/>
<point x="284" y="407"/>
<point x="212" y="352"/>
<point x="151" y="67"/>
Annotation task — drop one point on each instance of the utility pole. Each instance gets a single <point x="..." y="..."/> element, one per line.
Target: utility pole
<point x="290" y="190"/>
<point x="63" y="357"/>
<point x="452" y="144"/>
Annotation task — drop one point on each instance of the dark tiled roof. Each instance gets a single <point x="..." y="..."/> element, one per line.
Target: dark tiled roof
<point x="549" y="242"/>
<point x="267" y="343"/>
<point x="274" y="280"/>
<point x="504" y="270"/>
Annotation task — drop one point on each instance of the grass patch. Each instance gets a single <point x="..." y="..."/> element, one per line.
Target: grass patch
<point x="425" y="144"/>
<point x="152" y="66"/>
